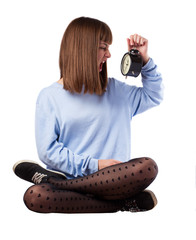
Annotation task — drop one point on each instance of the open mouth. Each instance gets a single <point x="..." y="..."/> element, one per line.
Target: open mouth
<point x="101" y="66"/>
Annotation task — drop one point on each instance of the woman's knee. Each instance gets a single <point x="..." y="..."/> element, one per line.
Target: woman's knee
<point x="145" y="165"/>
<point x="33" y="198"/>
<point x="151" y="165"/>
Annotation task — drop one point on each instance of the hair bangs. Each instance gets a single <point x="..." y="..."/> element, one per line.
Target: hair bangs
<point x="106" y="33"/>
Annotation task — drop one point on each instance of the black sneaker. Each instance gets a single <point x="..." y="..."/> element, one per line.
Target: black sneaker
<point x="143" y="201"/>
<point x="33" y="172"/>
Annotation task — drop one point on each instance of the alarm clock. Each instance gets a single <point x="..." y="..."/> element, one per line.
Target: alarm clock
<point x="131" y="63"/>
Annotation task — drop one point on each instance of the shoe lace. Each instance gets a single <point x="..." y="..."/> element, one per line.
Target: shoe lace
<point x="37" y="177"/>
<point x="131" y="206"/>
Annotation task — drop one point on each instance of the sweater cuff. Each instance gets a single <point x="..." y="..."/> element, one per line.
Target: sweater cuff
<point x="93" y="165"/>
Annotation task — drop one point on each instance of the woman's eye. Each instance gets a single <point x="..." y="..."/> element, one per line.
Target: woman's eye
<point x="102" y="48"/>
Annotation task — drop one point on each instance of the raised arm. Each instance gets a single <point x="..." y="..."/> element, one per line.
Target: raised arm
<point x="151" y="94"/>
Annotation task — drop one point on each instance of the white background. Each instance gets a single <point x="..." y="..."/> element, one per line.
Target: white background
<point x="31" y="33"/>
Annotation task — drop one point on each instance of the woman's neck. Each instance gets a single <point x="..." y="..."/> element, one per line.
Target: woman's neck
<point x="60" y="81"/>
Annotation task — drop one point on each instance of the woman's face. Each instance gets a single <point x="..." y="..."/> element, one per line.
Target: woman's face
<point x="103" y="54"/>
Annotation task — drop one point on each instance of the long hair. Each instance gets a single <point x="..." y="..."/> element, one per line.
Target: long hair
<point x="78" y="56"/>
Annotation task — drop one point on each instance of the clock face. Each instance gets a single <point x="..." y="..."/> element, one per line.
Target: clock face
<point x="125" y="64"/>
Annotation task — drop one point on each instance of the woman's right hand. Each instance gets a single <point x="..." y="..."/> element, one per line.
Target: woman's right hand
<point x="103" y="163"/>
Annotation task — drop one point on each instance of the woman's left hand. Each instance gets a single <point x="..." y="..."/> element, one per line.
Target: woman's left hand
<point x="141" y="44"/>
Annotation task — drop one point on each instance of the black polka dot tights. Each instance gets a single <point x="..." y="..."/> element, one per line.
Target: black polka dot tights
<point x="102" y="191"/>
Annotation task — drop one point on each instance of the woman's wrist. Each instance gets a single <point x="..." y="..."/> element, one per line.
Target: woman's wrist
<point x="145" y="60"/>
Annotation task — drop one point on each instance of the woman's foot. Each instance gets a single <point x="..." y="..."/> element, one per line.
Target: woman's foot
<point x="33" y="172"/>
<point x="143" y="201"/>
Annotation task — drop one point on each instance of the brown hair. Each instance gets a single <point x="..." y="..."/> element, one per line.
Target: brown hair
<point x="78" y="56"/>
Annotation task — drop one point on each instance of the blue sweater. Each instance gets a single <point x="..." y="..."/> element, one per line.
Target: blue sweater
<point x="74" y="131"/>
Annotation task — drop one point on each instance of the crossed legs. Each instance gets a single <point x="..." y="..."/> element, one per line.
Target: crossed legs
<point x="103" y="191"/>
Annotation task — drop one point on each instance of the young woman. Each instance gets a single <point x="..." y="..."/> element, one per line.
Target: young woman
<point x="83" y="130"/>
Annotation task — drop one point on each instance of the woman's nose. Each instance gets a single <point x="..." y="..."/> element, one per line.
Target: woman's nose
<point x="108" y="54"/>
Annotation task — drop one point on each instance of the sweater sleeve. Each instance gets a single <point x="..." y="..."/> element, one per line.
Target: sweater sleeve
<point x="150" y="95"/>
<point x="51" y="151"/>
